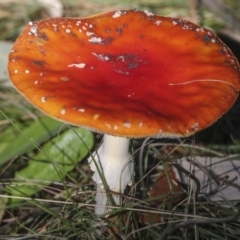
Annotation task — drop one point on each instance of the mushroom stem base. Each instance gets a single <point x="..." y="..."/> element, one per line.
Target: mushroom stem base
<point x="112" y="166"/>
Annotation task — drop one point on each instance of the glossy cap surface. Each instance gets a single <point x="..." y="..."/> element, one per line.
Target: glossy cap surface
<point x="126" y="73"/>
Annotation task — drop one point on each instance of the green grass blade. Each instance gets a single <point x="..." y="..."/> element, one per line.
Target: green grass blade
<point x="39" y="132"/>
<point x="54" y="161"/>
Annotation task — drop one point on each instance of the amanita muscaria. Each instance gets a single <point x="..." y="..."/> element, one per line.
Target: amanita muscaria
<point x="126" y="74"/>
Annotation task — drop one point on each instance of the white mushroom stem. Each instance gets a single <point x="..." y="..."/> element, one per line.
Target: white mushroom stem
<point x="115" y="165"/>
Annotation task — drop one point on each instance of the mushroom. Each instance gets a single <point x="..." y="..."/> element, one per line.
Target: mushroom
<point x="126" y="74"/>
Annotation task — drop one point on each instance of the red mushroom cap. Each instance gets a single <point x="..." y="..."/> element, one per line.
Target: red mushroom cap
<point x="127" y="73"/>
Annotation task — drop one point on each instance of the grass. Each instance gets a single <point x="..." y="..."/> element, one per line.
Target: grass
<point x="62" y="207"/>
